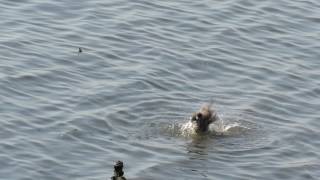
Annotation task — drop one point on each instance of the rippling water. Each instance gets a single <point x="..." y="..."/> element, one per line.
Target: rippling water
<point x="145" y="67"/>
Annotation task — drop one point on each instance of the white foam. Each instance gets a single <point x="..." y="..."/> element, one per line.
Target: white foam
<point x="188" y="129"/>
<point x="219" y="127"/>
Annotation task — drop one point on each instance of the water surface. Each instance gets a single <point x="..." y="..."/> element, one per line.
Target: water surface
<point x="145" y="67"/>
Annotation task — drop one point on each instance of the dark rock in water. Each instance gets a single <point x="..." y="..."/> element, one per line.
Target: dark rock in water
<point x="118" y="171"/>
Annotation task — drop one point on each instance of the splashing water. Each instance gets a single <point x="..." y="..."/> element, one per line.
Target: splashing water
<point x="218" y="128"/>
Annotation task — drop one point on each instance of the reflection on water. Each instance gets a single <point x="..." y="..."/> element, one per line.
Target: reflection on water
<point x="198" y="147"/>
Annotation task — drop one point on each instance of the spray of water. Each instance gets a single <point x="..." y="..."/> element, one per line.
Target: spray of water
<point x="218" y="128"/>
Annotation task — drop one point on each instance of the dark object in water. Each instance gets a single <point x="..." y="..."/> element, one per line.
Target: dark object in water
<point x="203" y="118"/>
<point x="80" y="50"/>
<point x="118" y="172"/>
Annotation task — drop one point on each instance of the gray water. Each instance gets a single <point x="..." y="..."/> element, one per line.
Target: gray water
<point x="145" y="66"/>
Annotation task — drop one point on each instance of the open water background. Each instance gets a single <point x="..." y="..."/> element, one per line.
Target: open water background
<point x="147" y="65"/>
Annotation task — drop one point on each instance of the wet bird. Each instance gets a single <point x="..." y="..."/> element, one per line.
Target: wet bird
<point x="118" y="172"/>
<point x="203" y="118"/>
